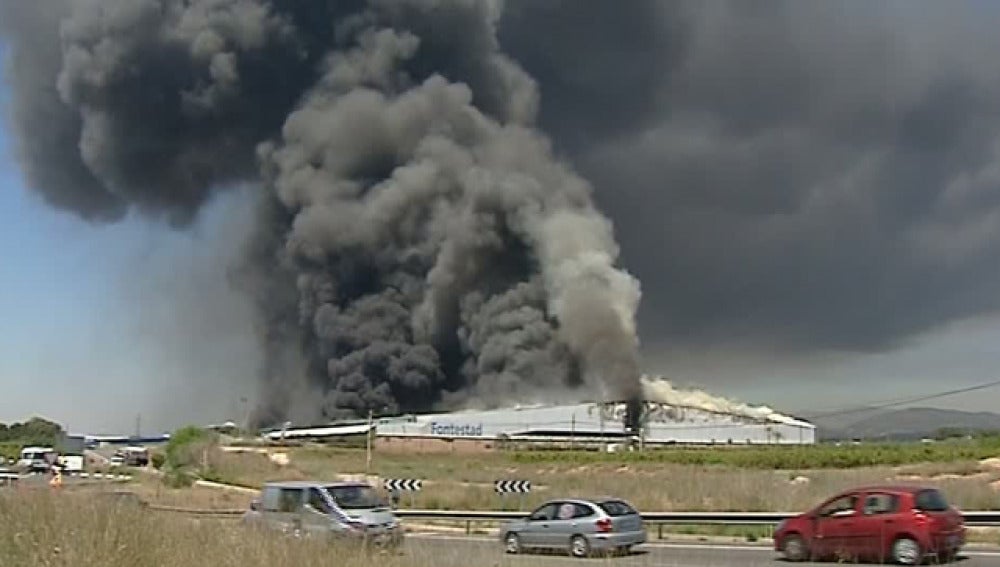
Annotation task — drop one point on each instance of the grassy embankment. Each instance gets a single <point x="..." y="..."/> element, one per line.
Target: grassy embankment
<point x="82" y="530"/>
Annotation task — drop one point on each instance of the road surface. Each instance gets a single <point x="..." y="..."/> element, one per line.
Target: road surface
<point x="457" y="551"/>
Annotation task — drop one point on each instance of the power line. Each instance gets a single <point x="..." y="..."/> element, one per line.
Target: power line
<point x="885" y="404"/>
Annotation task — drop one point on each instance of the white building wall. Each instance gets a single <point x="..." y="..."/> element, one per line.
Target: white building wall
<point x="665" y="424"/>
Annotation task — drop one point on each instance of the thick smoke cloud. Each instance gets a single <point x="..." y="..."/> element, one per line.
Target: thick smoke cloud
<point x="808" y="176"/>
<point x="812" y="176"/>
<point x="417" y="242"/>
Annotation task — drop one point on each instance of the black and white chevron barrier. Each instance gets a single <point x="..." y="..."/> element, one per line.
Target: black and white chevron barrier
<point x="512" y="486"/>
<point x="7" y="476"/>
<point x="403" y="484"/>
<point x="100" y="476"/>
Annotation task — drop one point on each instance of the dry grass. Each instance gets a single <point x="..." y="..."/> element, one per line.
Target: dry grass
<point x="151" y="490"/>
<point x="85" y="530"/>
<point x="465" y="482"/>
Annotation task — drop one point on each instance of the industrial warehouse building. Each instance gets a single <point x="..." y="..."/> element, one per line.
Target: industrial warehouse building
<point x="590" y="422"/>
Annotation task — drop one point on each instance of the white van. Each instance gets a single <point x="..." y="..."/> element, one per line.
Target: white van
<point x="37" y="459"/>
<point x="350" y="510"/>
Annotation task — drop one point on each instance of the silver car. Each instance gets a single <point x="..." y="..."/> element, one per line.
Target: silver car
<point x="349" y="510"/>
<point x="582" y="527"/>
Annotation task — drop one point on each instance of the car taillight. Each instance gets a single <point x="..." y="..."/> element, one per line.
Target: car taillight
<point x="604" y="525"/>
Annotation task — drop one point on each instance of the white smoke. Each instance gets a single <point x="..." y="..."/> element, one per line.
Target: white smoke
<point x="659" y="389"/>
<point x="594" y="301"/>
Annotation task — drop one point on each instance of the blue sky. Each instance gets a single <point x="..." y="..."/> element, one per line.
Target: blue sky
<point x="54" y="273"/>
<point x="85" y="312"/>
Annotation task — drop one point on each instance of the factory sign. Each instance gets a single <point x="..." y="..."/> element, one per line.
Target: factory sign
<point x="457" y="429"/>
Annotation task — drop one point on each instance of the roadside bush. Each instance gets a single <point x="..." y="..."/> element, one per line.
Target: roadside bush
<point x="178" y="478"/>
<point x="186" y="456"/>
<point x="187" y="446"/>
<point x="158" y="459"/>
<point x="10" y="450"/>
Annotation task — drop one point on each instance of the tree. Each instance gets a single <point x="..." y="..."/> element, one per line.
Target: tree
<point x="35" y="431"/>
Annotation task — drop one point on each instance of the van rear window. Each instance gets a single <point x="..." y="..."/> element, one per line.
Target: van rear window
<point x="931" y="500"/>
<point x="617" y="508"/>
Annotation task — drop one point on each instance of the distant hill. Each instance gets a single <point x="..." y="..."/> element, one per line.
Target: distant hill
<point x="837" y="426"/>
<point x="908" y="423"/>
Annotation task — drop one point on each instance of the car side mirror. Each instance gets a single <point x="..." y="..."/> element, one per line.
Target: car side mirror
<point x="255" y="505"/>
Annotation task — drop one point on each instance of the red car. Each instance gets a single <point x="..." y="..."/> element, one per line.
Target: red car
<point x="904" y="524"/>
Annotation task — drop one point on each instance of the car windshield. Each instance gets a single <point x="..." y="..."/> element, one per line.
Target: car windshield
<point x="355" y="497"/>
<point x="616" y="508"/>
<point x="931" y="500"/>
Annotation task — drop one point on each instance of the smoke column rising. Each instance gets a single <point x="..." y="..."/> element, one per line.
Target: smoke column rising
<point x="417" y="243"/>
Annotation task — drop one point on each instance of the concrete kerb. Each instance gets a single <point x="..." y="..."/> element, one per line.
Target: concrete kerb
<point x="224" y="486"/>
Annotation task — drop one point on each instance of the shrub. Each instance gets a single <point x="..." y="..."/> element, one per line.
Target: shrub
<point x="187" y="446"/>
<point x="186" y="456"/>
<point x="158" y="460"/>
<point x="178" y="478"/>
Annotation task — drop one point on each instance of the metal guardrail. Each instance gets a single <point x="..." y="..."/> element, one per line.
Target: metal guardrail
<point x="972" y="518"/>
<point x="978" y="518"/>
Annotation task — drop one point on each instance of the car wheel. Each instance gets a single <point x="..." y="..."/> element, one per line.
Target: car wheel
<point x="579" y="546"/>
<point x="906" y="551"/>
<point x="794" y="548"/>
<point x="512" y="543"/>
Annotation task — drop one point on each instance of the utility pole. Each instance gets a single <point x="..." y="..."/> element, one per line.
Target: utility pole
<point x="600" y="407"/>
<point x="572" y="432"/>
<point x="368" y="444"/>
<point x="246" y="416"/>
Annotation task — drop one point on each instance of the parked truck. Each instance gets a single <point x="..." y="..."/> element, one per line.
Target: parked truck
<point x="132" y="456"/>
<point x="71" y="463"/>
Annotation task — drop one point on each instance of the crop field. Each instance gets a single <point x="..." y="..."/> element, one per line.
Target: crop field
<point x="722" y="479"/>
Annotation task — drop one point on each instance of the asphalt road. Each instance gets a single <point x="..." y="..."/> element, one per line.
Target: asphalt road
<point x="457" y="551"/>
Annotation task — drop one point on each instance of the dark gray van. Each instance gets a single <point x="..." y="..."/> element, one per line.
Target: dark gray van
<point x="352" y="510"/>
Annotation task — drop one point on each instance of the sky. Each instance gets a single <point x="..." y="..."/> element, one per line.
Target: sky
<point x="807" y="193"/>
<point x="86" y="309"/>
<point x="90" y="312"/>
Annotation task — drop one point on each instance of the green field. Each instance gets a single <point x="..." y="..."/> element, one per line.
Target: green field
<point x="819" y="456"/>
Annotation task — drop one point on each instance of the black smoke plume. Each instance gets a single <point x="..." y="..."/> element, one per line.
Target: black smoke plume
<point x="417" y="240"/>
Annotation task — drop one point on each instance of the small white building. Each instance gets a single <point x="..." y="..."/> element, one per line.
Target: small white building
<point x="661" y="424"/>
